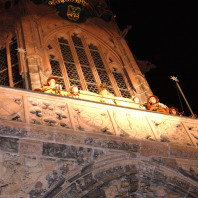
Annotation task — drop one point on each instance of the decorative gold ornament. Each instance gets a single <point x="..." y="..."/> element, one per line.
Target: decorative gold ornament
<point x="55" y="2"/>
<point x="73" y="13"/>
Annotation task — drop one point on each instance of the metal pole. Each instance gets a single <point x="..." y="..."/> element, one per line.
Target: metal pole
<point x="176" y="80"/>
<point x="22" y="51"/>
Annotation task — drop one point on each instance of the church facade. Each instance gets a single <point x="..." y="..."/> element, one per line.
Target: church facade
<point x="65" y="147"/>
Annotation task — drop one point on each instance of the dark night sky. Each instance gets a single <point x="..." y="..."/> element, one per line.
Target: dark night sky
<point x="164" y="33"/>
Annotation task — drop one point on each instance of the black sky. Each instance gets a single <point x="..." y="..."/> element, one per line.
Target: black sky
<point x="164" y="33"/>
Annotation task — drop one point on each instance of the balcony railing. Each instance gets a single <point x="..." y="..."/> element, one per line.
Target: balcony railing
<point x="82" y="115"/>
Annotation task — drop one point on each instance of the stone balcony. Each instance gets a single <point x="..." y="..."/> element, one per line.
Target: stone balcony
<point x="35" y="109"/>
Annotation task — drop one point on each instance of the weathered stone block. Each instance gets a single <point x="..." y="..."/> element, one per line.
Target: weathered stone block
<point x="157" y="149"/>
<point x="9" y="144"/>
<point x="30" y="147"/>
<point x="172" y="163"/>
<point x="183" y="152"/>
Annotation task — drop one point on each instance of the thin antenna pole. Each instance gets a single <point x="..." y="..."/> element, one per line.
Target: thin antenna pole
<point x="177" y="83"/>
<point x="22" y="52"/>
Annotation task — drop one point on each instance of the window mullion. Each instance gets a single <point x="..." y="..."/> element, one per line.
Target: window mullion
<point x="77" y="64"/>
<point x="109" y="73"/>
<point x="11" y="84"/>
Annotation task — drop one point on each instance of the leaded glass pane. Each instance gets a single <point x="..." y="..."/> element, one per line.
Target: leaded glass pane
<point x="119" y="80"/>
<point x="77" y="41"/>
<point x="121" y="84"/>
<point x="92" y="88"/>
<point x="66" y="53"/>
<point x="56" y="71"/>
<point x="4" y="79"/>
<point x="85" y="66"/>
<point x="13" y="52"/>
<point x="3" y="59"/>
<point x="82" y="56"/>
<point x="88" y="74"/>
<point x="15" y="74"/>
<point x="73" y="82"/>
<point x="104" y="77"/>
<point x="16" y="77"/>
<point x="100" y="67"/>
<point x="97" y="59"/>
<point x="63" y="41"/>
<point x="19" y="84"/>
<point x="125" y="93"/>
<point x="72" y="72"/>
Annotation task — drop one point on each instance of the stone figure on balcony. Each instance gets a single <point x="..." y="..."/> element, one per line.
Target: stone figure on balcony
<point x="106" y="96"/>
<point x="153" y="104"/>
<point x="174" y="111"/>
<point x="52" y="87"/>
<point x="74" y="92"/>
<point x="136" y="100"/>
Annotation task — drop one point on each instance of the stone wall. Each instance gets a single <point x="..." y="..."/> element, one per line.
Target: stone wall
<point x="53" y="146"/>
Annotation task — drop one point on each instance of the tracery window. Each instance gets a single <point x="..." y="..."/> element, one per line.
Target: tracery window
<point x="85" y="67"/>
<point x="16" y="78"/>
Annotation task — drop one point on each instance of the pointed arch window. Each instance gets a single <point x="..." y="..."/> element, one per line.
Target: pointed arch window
<point x="82" y="64"/>
<point x="10" y="65"/>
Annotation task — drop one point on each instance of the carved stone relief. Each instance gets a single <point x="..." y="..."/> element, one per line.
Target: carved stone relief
<point x="193" y="130"/>
<point x="92" y="119"/>
<point x="48" y="112"/>
<point x="168" y="130"/>
<point x="11" y="107"/>
<point x="133" y="124"/>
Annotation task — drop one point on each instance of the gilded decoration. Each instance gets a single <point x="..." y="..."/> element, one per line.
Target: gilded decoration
<point x="73" y="13"/>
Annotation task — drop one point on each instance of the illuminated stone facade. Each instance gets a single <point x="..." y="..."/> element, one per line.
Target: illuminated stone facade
<point x="55" y="146"/>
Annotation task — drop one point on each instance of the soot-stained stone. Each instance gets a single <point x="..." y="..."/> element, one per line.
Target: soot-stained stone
<point x="97" y="153"/>
<point x="73" y="192"/>
<point x="193" y="191"/>
<point x="109" y="173"/>
<point x="85" y="182"/>
<point x="112" y="144"/>
<point x="180" y="183"/>
<point x="59" y="150"/>
<point x="11" y="131"/>
<point x="64" y="151"/>
<point x="9" y="144"/>
<point x="96" y="193"/>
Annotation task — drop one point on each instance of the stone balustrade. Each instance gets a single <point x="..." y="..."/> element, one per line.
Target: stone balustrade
<point x="86" y="116"/>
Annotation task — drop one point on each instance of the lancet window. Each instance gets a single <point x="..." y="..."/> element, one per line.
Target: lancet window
<point x="9" y="69"/>
<point x="82" y="64"/>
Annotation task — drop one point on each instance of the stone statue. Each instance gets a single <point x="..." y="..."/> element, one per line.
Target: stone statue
<point x="153" y="104"/>
<point x="52" y="87"/>
<point x="74" y="92"/>
<point x="106" y="97"/>
<point x="174" y="111"/>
